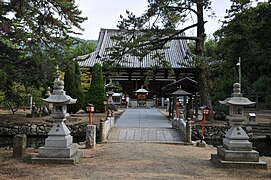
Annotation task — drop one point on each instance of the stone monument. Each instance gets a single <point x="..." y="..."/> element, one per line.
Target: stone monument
<point x="59" y="146"/>
<point x="236" y="151"/>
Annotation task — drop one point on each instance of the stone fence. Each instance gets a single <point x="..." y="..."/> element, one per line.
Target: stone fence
<point x="38" y="129"/>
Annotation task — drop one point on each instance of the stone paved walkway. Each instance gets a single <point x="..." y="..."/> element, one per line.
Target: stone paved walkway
<point x="143" y="125"/>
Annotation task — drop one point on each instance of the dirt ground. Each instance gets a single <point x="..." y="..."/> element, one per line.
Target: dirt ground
<point x="133" y="161"/>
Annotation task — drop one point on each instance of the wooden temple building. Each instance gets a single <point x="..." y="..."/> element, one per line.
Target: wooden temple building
<point x="131" y="73"/>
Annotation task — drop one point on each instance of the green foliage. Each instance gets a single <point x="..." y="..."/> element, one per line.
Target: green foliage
<point x="236" y="7"/>
<point x="96" y="93"/>
<point x="247" y="36"/>
<point x="19" y="97"/>
<point x="33" y="37"/>
<point x="117" y="86"/>
<point x="85" y="79"/>
<point x="84" y="47"/>
<point x="262" y="85"/>
<point x="72" y="82"/>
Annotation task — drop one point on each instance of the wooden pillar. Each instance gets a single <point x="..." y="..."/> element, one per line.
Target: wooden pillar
<point x="173" y="105"/>
<point x="196" y="106"/>
<point x="169" y="109"/>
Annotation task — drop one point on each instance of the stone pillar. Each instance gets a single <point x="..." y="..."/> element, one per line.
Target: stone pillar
<point x="112" y="122"/>
<point x="19" y="146"/>
<point x="102" y="131"/>
<point x="90" y="136"/>
<point x="31" y="104"/>
<point x="188" y="130"/>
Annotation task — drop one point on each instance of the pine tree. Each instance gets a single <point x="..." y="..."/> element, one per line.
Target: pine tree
<point x="157" y="26"/>
<point x="96" y="93"/>
<point x="236" y="8"/>
<point x="72" y="82"/>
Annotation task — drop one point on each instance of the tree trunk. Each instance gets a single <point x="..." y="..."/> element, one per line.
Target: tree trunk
<point x="201" y="69"/>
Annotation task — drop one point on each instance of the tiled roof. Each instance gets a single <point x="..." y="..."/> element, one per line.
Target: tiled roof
<point x="175" y="53"/>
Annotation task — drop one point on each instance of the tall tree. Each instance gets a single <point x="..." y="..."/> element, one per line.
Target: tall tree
<point x="96" y="93"/>
<point x="161" y="24"/>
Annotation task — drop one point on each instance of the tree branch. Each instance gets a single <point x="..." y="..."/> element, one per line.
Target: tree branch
<point x="177" y="8"/>
<point x="174" y="36"/>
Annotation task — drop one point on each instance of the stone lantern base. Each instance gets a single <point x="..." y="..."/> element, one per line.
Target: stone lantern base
<point x="69" y="155"/>
<point x="58" y="148"/>
<point x="237" y="159"/>
<point x="236" y="151"/>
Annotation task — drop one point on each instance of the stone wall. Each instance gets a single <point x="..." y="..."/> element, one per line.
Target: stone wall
<point x="217" y="133"/>
<point x="38" y="129"/>
<point x="211" y="133"/>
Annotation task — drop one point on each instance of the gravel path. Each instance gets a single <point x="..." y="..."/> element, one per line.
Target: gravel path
<point x="134" y="161"/>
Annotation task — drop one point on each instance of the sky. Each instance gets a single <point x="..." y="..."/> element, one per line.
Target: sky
<point x="106" y="14"/>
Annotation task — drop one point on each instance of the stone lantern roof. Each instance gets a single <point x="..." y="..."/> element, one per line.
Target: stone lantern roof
<point x="59" y="95"/>
<point x="141" y="90"/>
<point x="237" y="98"/>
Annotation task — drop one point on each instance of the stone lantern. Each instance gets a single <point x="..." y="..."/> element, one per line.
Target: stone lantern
<point x="110" y="92"/>
<point x="236" y="151"/>
<point x="59" y="146"/>
<point x="141" y="96"/>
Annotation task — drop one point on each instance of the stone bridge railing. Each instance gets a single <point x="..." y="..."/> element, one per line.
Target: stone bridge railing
<point x="184" y="128"/>
<point x="105" y="127"/>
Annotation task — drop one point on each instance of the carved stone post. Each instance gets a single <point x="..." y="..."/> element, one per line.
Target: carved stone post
<point x="90" y="136"/>
<point x="19" y="146"/>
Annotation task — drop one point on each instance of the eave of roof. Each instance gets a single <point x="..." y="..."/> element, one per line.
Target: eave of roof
<point x="180" y="82"/>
